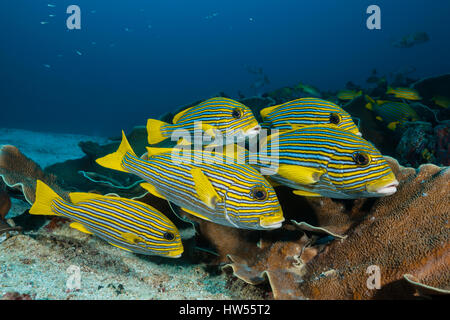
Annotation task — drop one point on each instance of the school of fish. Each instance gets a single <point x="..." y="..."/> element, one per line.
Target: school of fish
<point x="320" y="153"/>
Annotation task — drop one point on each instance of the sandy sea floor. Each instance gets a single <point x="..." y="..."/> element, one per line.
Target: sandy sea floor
<point x="47" y="263"/>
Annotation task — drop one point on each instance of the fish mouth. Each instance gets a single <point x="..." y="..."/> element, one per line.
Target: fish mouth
<point x="271" y="222"/>
<point x="384" y="190"/>
<point x="175" y="254"/>
<point x="253" y="131"/>
<point x="357" y="132"/>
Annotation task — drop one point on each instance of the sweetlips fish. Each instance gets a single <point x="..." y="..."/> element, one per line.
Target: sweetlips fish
<point x="127" y="224"/>
<point x="208" y="187"/>
<point x="441" y="101"/>
<point x="307" y="111"/>
<point x="216" y="115"/>
<point x="348" y="94"/>
<point x="392" y="114"/>
<point x="308" y="89"/>
<point x="404" y="93"/>
<point x="324" y="160"/>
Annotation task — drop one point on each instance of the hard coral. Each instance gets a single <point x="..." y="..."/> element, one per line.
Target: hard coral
<point x="405" y="236"/>
<point x="5" y="201"/>
<point x="21" y="173"/>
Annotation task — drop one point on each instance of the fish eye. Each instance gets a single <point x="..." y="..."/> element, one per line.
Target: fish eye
<point x="335" y="118"/>
<point x="361" y="158"/>
<point x="259" y="193"/>
<point x="168" y="236"/>
<point x="237" y="113"/>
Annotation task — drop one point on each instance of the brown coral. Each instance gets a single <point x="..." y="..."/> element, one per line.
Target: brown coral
<point x="5" y="201"/>
<point x="405" y="235"/>
<point x="21" y="173"/>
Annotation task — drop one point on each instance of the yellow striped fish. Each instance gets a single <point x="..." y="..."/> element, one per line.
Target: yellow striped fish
<point x="328" y="161"/>
<point x="404" y="93"/>
<point x="348" y="94"/>
<point x="307" y="111"/>
<point x="209" y="187"/>
<point x="127" y="224"/>
<point x="216" y="115"/>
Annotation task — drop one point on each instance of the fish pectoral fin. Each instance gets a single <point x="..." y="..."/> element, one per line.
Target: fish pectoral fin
<point x="183" y="142"/>
<point x="306" y="193"/>
<point x="209" y="130"/>
<point x="80" y="227"/>
<point x="195" y="214"/>
<point x="300" y="174"/>
<point x="393" y="125"/>
<point x="131" y="237"/>
<point x="204" y="188"/>
<point x="152" y="189"/>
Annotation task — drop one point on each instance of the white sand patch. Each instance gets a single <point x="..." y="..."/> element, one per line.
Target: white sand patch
<point x="47" y="148"/>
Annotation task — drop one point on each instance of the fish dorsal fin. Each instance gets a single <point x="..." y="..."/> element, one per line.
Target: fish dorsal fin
<point x="380" y="102"/>
<point x="151" y="188"/>
<point x="155" y="151"/>
<point x="306" y="193"/>
<point x="131" y="237"/>
<point x="300" y="174"/>
<point x="264" y="112"/>
<point x="80" y="227"/>
<point x="77" y="197"/>
<point x="195" y="214"/>
<point x="205" y="190"/>
<point x="179" y="115"/>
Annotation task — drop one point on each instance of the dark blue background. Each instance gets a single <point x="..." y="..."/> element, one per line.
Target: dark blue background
<point x="128" y="76"/>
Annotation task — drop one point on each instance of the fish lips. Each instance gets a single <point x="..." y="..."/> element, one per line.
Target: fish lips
<point x="271" y="222"/>
<point x="253" y="132"/>
<point x="386" y="190"/>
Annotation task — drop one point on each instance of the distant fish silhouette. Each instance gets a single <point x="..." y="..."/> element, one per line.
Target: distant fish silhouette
<point x="411" y="40"/>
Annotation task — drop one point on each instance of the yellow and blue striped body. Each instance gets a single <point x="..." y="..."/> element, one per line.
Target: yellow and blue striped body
<point x="127" y="224"/>
<point x="348" y="94"/>
<point x="223" y="116"/>
<point x="305" y="112"/>
<point x="404" y="93"/>
<point x="233" y="182"/>
<point x="328" y="161"/>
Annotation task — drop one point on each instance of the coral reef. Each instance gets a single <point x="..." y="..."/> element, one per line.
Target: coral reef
<point x="21" y="173"/>
<point x="5" y="201"/>
<point x="405" y="235"/>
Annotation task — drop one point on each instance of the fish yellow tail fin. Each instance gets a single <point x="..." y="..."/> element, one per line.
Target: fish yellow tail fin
<point x="114" y="160"/>
<point x="44" y="199"/>
<point x="390" y="90"/>
<point x="154" y="131"/>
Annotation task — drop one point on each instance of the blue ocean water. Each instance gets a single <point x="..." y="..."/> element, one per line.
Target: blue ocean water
<point x="138" y="59"/>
